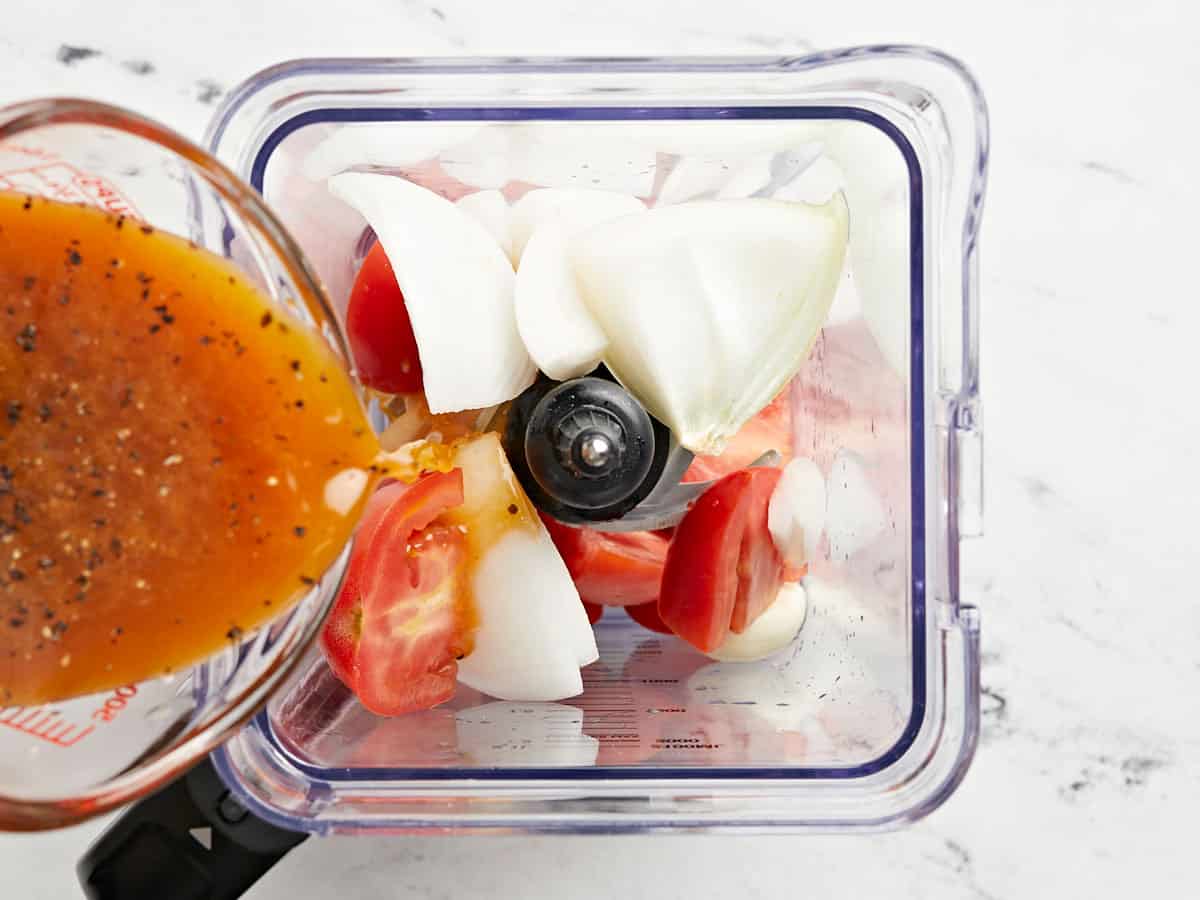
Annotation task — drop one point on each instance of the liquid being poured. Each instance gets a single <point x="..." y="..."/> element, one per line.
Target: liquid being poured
<point x="167" y="439"/>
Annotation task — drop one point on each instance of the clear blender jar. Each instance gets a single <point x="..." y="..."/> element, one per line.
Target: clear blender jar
<point x="871" y="717"/>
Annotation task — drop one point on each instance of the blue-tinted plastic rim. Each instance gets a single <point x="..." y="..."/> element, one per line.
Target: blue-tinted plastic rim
<point x="916" y="437"/>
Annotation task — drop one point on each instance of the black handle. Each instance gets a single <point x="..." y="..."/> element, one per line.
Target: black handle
<point x="192" y="840"/>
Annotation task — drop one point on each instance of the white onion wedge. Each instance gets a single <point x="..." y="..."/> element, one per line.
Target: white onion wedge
<point x="560" y="334"/>
<point x="765" y="174"/>
<point x="846" y="306"/>
<point x="529" y="644"/>
<point x="710" y="308"/>
<point x="458" y="287"/>
<point x="561" y="155"/>
<point x="854" y="513"/>
<point x="491" y="210"/>
<point x="392" y="144"/>
<point x="796" y="513"/>
<point x="555" y="324"/>
<point x="691" y="177"/>
<point x="533" y="634"/>
<point x="484" y="161"/>
<point x="775" y="629"/>
<point x="876" y="184"/>
<point x="569" y="209"/>
<point x="731" y="176"/>
<point x="816" y="184"/>
<point x="591" y="155"/>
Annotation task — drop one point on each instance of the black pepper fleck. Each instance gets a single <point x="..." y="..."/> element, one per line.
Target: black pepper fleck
<point x="73" y="257"/>
<point x="299" y="530"/>
<point x="512" y="509"/>
<point x="27" y="338"/>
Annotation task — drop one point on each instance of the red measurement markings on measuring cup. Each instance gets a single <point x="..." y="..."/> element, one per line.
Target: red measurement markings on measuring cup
<point x="60" y="180"/>
<point x="49" y="725"/>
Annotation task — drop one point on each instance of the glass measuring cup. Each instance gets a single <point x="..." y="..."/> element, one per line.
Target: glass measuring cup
<point x="65" y="761"/>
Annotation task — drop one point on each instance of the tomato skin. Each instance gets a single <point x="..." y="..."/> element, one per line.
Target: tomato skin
<point x="646" y="615"/>
<point x="722" y="567"/>
<point x="400" y="620"/>
<point x="380" y="331"/>
<point x="611" y="568"/>
<point x="594" y="612"/>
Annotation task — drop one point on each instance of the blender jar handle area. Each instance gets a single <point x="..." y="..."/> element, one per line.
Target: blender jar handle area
<point x="192" y="840"/>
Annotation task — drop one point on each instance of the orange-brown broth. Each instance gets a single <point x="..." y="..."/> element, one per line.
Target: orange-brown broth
<point x="166" y="437"/>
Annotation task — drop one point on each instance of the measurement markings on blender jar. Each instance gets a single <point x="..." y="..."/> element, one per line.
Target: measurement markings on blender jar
<point x="49" y="725"/>
<point x="608" y="702"/>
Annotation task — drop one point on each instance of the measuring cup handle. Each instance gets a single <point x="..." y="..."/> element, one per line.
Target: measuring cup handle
<point x="192" y="840"/>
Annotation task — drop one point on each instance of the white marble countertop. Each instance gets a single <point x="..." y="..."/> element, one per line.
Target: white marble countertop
<point x="1089" y="766"/>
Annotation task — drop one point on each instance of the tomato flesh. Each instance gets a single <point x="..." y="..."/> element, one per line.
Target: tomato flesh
<point x="611" y="568"/>
<point x="379" y="329"/>
<point x="722" y="568"/>
<point x="402" y="617"/>
<point x="646" y="615"/>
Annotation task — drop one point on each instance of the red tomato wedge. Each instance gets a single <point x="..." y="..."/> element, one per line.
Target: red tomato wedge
<point x="610" y="568"/>
<point x="722" y="567"/>
<point x="770" y="429"/>
<point x="594" y="612"/>
<point x="402" y="618"/>
<point x="646" y="615"/>
<point x="380" y="331"/>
